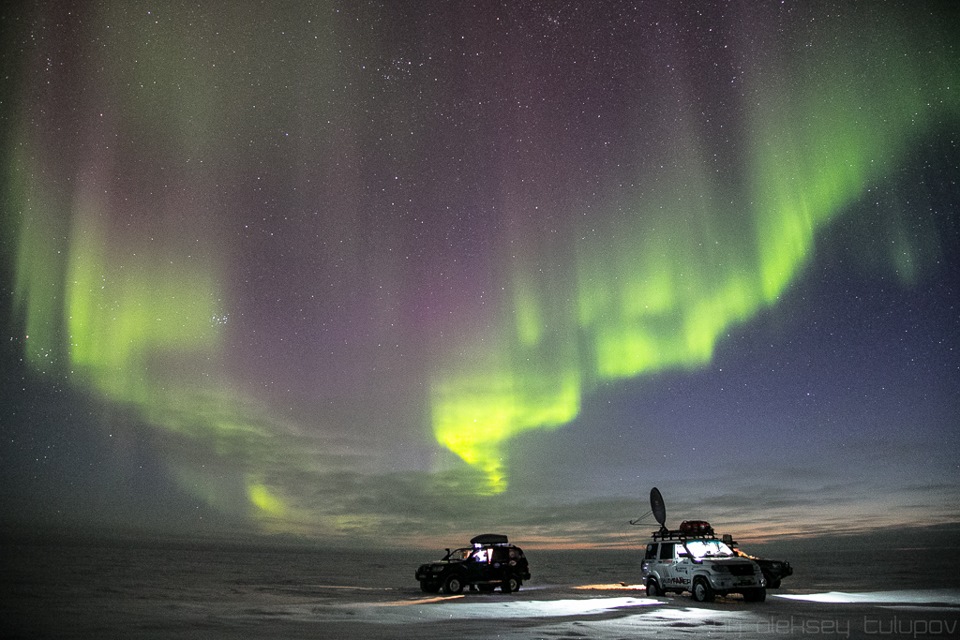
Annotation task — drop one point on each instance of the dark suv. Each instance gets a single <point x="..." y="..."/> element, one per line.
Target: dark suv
<point x="773" y="570"/>
<point x="490" y="562"/>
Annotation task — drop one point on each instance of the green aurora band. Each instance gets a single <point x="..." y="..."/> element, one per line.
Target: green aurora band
<point x="138" y="316"/>
<point x="659" y="289"/>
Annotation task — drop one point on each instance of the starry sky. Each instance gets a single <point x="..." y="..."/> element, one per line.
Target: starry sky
<point x="350" y="271"/>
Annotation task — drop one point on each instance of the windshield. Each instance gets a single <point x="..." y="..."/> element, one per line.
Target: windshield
<point x="708" y="549"/>
<point x="458" y="554"/>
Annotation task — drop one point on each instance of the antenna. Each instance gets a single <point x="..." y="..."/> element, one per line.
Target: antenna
<point x="657" y="510"/>
<point x="657" y="507"/>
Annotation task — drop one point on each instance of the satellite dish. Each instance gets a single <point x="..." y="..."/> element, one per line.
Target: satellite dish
<point x="657" y="506"/>
<point x="657" y="509"/>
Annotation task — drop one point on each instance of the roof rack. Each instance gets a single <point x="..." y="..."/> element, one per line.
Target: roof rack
<point x="676" y="534"/>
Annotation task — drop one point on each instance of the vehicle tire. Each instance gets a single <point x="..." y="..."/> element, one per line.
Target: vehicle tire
<point x="453" y="584"/>
<point x="702" y="591"/>
<point x="653" y="589"/>
<point x="510" y="585"/>
<point x="755" y="595"/>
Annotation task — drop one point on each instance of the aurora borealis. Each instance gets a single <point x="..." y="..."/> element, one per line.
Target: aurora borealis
<point x="345" y="269"/>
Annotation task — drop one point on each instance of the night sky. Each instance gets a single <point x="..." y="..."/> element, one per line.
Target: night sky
<point x="369" y="270"/>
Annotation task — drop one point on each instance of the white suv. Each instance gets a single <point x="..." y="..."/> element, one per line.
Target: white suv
<point x="702" y="565"/>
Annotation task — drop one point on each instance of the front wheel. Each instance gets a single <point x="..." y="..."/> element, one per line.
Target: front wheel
<point x="653" y="590"/>
<point x="453" y="585"/>
<point x="702" y="591"/>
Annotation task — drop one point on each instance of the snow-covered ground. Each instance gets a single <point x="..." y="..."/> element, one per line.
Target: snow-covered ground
<point x="201" y="592"/>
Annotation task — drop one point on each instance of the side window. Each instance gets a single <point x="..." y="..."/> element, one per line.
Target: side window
<point x="651" y="552"/>
<point x="666" y="551"/>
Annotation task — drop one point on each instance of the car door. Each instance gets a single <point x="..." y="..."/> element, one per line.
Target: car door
<point x="478" y="565"/>
<point x="665" y="564"/>
<point x="682" y="567"/>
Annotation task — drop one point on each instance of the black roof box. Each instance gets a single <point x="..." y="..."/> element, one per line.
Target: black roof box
<point x="489" y="538"/>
